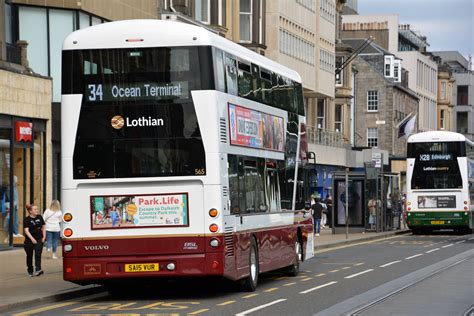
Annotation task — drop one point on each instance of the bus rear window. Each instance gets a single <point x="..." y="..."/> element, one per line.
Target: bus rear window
<point x="137" y="116"/>
<point x="436" y="165"/>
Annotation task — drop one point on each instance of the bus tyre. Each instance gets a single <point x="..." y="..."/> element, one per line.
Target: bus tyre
<point x="249" y="283"/>
<point x="294" y="269"/>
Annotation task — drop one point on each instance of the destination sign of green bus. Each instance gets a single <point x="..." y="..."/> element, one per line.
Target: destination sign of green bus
<point x="140" y="91"/>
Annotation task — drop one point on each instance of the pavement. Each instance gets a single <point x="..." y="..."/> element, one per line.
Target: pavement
<point x="18" y="290"/>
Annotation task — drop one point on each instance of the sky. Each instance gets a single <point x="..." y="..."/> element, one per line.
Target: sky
<point x="448" y="24"/>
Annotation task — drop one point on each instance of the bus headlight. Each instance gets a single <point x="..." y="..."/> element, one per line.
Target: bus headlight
<point x="68" y="248"/>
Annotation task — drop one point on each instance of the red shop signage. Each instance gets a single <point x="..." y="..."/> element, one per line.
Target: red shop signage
<point x="23" y="131"/>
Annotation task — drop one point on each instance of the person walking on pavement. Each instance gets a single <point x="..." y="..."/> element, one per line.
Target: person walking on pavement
<point x="52" y="218"/>
<point x="35" y="236"/>
<point x="317" y="209"/>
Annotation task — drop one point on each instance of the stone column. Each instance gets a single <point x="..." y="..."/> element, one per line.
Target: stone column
<point x="24" y="52"/>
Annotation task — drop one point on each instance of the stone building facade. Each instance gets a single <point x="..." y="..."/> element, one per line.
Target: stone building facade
<point x="382" y="104"/>
<point x="25" y="142"/>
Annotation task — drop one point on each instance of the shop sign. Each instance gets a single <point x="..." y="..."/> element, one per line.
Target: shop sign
<point x="23" y="131"/>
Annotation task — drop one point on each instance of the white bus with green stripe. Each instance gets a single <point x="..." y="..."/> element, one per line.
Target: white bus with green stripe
<point x="440" y="182"/>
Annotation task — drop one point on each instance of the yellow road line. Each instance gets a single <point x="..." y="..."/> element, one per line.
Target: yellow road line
<point x="249" y="296"/>
<point x="226" y="303"/>
<point x="307" y="279"/>
<point x="345" y="268"/>
<point x="332" y="271"/>
<point x="289" y="284"/>
<point x="320" y="275"/>
<point x="199" y="311"/>
<point x="281" y="278"/>
<point x="271" y="289"/>
<point x="44" y="309"/>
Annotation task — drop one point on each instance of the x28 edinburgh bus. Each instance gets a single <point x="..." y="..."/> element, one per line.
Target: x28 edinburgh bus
<point x="440" y="182"/>
<point x="182" y="156"/>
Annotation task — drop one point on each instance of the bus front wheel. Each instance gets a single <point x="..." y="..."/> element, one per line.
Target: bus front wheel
<point x="249" y="283"/>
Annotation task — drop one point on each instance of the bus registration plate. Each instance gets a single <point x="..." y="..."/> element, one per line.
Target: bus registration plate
<point x="437" y="222"/>
<point x="142" y="267"/>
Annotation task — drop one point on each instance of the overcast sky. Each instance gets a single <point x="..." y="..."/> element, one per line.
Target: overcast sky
<point x="448" y="24"/>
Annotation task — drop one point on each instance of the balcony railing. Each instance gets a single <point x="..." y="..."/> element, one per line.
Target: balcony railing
<point x="326" y="137"/>
<point x="13" y="53"/>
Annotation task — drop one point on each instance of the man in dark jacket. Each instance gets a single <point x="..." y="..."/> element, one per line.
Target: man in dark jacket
<point x="317" y="214"/>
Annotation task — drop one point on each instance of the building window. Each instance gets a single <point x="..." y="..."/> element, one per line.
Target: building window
<point x="202" y="11"/>
<point x="338" y="119"/>
<point x="296" y="47"/>
<point x="308" y="4"/>
<point x="246" y="21"/>
<point x="443" y="90"/>
<point x="441" y="119"/>
<point x="463" y="95"/>
<point x="320" y="111"/>
<point x="372" y="137"/>
<point x="328" y="10"/>
<point x="327" y="60"/>
<point x="339" y="71"/>
<point x="397" y="71"/>
<point x="372" y="100"/>
<point x="388" y="68"/>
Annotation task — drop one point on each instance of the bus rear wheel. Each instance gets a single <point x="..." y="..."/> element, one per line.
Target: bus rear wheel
<point x="294" y="269"/>
<point x="249" y="283"/>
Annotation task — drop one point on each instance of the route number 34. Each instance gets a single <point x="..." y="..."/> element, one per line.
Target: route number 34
<point x="199" y="172"/>
<point x="95" y="91"/>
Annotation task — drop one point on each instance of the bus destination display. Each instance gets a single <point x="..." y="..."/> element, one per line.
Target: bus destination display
<point x="140" y="91"/>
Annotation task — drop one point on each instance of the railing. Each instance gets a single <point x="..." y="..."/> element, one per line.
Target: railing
<point x="325" y="137"/>
<point x="13" y="53"/>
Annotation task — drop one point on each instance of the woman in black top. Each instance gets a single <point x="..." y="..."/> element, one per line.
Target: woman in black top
<point x="35" y="236"/>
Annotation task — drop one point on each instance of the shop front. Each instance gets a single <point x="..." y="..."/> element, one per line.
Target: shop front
<point x="23" y="148"/>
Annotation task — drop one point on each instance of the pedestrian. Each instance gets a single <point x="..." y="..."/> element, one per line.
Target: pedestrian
<point x="372" y="206"/>
<point x="317" y="209"/>
<point x="35" y="232"/>
<point x="324" y="216"/>
<point x="52" y="218"/>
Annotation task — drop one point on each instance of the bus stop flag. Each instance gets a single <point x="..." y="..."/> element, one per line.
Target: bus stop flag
<point x="406" y="126"/>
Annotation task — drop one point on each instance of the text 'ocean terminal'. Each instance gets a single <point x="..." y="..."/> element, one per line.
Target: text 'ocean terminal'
<point x="138" y="91"/>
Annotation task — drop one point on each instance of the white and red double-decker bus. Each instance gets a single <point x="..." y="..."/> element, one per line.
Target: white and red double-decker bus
<point x="180" y="157"/>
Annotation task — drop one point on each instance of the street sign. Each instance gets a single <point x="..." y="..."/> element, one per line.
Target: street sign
<point x="377" y="158"/>
<point x="380" y="122"/>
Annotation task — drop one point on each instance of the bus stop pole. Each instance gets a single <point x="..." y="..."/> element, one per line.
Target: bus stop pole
<point x="347" y="203"/>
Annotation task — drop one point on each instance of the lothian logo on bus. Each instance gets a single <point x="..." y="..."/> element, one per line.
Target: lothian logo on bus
<point x="118" y="122"/>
